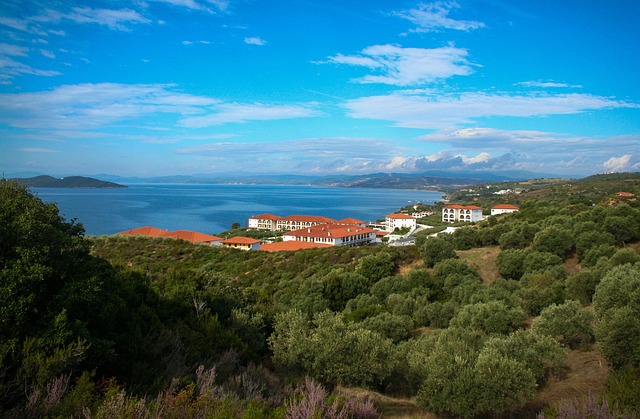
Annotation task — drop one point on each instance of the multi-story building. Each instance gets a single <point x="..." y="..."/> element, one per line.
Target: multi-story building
<point x="394" y="221"/>
<point x="333" y="234"/>
<point x="264" y="222"/>
<point x="467" y="213"/>
<point x="296" y="222"/>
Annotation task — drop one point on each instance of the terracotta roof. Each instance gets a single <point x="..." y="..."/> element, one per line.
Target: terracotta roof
<point x="400" y="216"/>
<point x="380" y="233"/>
<point x="266" y="217"/>
<point x="144" y="231"/>
<point x="308" y="218"/>
<point x="465" y="207"/>
<point x="624" y="193"/>
<point x="331" y="231"/>
<point x="352" y="221"/>
<point x="291" y="245"/>
<point x="505" y="206"/>
<point x="192" y="236"/>
<point x="240" y="240"/>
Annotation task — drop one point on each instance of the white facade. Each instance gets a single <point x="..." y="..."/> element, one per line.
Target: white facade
<point x="503" y="209"/>
<point x="394" y="221"/>
<point x="470" y="213"/>
<point x="334" y="235"/>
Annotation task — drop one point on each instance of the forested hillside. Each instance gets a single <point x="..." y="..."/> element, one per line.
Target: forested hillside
<point x="535" y="312"/>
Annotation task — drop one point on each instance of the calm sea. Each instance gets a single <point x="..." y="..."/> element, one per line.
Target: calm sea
<point x="212" y="209"/>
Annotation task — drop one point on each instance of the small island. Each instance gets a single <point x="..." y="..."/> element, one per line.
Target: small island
<point x="45" y="181"/>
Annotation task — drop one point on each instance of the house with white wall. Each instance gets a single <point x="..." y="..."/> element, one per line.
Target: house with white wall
<point x="242" y="243"/>
<point x="333" y="234"/>
<point x="504" y="209"/>
<point x="394" y="221"/>
<point x="467" y="213"/>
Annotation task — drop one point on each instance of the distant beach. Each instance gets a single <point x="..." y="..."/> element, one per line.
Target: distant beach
<point x="213" y="208"/>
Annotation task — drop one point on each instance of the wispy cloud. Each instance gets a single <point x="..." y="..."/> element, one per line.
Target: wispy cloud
<point x="254" y="40"/>
<point x="432" y="110"/>
<point x="432" y="17"/>
<point x="94" y="106"/>
<point x="408" y="66"/>
<point x="210" y="6"/>
<point x="547" y="84"/>
<point x="225" y="113"/>
<point x="38" y="150"/>
<point x="119" y="19"/>
<point x="195" y="42"/>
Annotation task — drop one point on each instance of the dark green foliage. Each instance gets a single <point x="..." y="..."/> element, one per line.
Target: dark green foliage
<point x="537" y="262"/>
<point x="464" y="381"/>
<point x="492" y="317"/>
<point x="389" y="325"/>
<point x="624" y="389"/>
<point x="624" y="256"/>
<point x="591" y="238"/>
<point x="436" y="249"/>
<point x="542" y="355"/>
<point x="510" y="263"/>
<point x="330" y="349"/>
<point x="582" y="286"/>
<point x="599" y="251"/>
<point x="618" y="334"/>
<point x="375" y="267"/>
<point x="556" y="240"/>
<point x="571" y="324"/>
<point x="620" y="287"/>
<point x="467" y="238"/>
<point x="540" y="290"/>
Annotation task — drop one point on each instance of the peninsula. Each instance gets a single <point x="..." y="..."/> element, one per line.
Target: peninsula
<point x="67" y="182"/>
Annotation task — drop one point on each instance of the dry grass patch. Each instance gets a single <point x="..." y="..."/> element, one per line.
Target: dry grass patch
<point x="484" y="260"/>
<point x="586" y="373"/>
<point x="389" y="407"/>
<point x="406" y="267"/>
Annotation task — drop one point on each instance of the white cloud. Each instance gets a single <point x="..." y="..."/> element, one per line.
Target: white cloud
<point x="93" y="106"/>
<point x="255" y="41"/>
<point x="224" y="113"/>
<point x="432" y="17"/>
<point x="195" y="42"/>
<point x="408" y="66"/>
<point x="430" y="110"/>
<point x="17" y="24"/>
<point x="13" y="50"/>
<point x="543" y="151"/>
<point x="624" y="163"/>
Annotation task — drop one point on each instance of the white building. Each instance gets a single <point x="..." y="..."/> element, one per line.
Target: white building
<point x="333" y="234"/>
<point x="394" y="221"/>
<point x="263" y="222"/>
<point x="503" y="209"/>
<point x="468" y="213"/>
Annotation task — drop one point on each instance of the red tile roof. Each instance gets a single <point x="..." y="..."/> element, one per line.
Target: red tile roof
<point x="192" y="236"/>
<point x="351" y="221"/>
<point x="240" y="240"/>
<point x="308" y="218"/>
<point x="464" y="207"/>
<point x="331" y="231"/>
<point x="144" y="231"/>
<point x="266" y="217"/>
<point x="400" y="217"/>
<point x="291" y="246"/>
<point x="506" y="206"/>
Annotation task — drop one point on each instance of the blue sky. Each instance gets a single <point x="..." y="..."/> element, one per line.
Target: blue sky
<point x="164" y="87"/>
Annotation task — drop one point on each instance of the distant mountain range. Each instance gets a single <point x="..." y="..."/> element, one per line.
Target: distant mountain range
<point x="433" y="180"/>
<point x="66" y="182"/>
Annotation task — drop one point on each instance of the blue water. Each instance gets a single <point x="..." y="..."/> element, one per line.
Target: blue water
<point x="212" y="209"/>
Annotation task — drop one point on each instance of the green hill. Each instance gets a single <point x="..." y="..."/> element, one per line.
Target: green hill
<point x="67" y="182"/>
